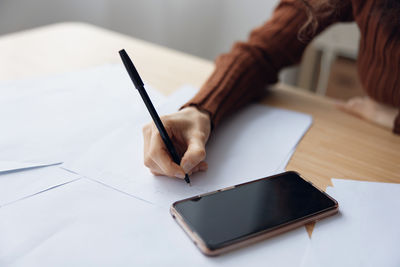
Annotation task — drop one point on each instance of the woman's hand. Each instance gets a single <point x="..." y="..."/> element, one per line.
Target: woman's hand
<point x="370" y="110"/>
<point x="189" y="130"/>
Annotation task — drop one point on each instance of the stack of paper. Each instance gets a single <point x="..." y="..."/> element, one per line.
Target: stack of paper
<point x="254" y="143"/>
<point x="118" y="214"/>
<point x="84" y="223"/>
<point x="22" y="183"/>
<point x="14" y="166"/>
<point x="57" y="118"/>
<point x="365" y="233"/>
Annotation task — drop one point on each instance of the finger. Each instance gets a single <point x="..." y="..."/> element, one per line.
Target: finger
<point x="156" y="158"/>
<point x="201" y="167"/>
<point x="162" y="158"/>
<point x="357" y="107"/>
<point x="168" y="167"/>
<point x="156" y="173"/>
<point x="336" y="101"/>
<point x="341" y="106"/>
<point x="158" y="170"/>
<point x="354" y="106"/>
<point x="153" y="167"/>
<point x="194" y="154"/>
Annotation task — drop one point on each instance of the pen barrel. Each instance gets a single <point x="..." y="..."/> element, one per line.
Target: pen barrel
<point x="161" y="129"/>
<point x="130" y="68"/>
<point x="137" y="81"/>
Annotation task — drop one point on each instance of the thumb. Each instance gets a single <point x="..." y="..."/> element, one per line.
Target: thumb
<point x="195" y="153"/>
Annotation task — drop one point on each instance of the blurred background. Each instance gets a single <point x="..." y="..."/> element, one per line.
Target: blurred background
<point x="204" y="28"/>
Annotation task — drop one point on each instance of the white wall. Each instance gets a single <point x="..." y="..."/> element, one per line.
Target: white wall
<point x="17" y="15"/>
<point x="201" y="27"/>
<point x="205" y="28"/>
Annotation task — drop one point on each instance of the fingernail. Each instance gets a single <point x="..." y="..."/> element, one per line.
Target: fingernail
<point x="187" y="167"/>
<point x="180" y="175"/>
<point x="203" y="168"/>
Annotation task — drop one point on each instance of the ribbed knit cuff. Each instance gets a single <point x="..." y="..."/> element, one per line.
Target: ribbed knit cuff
<point x="236" y="81"/>
<point x="396" y="127"/>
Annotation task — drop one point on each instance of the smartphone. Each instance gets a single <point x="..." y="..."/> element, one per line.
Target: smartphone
<point x="233" y="217"/>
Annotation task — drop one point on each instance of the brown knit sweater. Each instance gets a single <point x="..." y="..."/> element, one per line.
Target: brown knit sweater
<point x="242" y="74"/>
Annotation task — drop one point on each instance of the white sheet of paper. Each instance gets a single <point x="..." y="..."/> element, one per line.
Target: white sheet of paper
<point x="85" y="223"/>
<point x="11" y="166"/>
<point x="56" y="118"/>
<point x="174" y="101"/>
<point x="18" y="185"/>
<point x="252" y="144"/>
<point x="96" y="114"/>
<point x="365" y="233"/>
<point x="285" y="162"/>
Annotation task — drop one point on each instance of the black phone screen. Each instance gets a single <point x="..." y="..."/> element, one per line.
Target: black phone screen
<point x="225" y="217"/>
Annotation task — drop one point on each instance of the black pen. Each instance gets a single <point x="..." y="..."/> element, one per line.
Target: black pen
<point x="137" y="81"/>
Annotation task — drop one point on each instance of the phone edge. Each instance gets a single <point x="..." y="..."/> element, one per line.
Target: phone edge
<point x="200" y="244"/>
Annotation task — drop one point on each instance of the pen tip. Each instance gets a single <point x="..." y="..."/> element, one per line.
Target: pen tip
<point x="187" y="180"/>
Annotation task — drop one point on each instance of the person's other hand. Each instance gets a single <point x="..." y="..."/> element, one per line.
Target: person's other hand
<point x="189" y="130"/>
<point x="370" y="110"/>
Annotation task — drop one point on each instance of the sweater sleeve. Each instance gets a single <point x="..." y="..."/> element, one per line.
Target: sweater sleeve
<point x="241" y="75"/>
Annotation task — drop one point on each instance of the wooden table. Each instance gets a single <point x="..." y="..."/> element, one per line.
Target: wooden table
<point x="336" y="146"/>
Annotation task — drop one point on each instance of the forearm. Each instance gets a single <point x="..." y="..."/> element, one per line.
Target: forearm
<point x="241" y="75"/>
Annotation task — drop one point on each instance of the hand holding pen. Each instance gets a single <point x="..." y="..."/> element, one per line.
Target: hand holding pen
<point x="188" y="128"/>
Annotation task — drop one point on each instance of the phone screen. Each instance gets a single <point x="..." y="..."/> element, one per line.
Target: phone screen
<point x="226" y="217"/>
